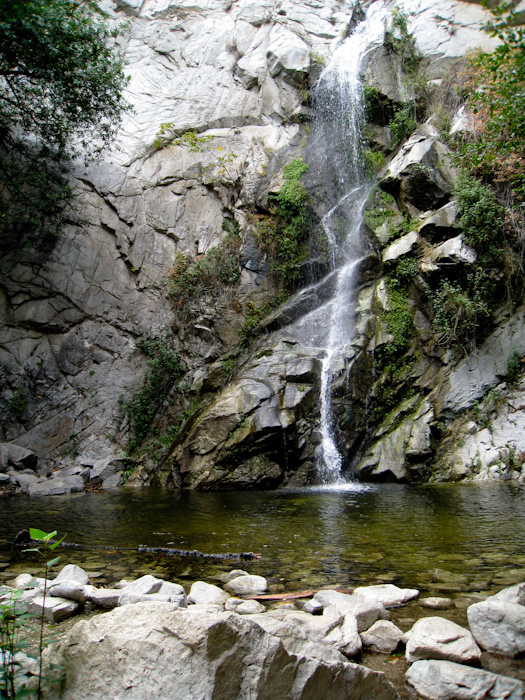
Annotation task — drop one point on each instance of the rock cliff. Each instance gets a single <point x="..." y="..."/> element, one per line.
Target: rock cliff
<point x="221" y="106"/>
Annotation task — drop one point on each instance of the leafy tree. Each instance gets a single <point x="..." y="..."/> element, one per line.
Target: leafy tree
<point x="61" y="91"/>
<point x="496" y="96"/>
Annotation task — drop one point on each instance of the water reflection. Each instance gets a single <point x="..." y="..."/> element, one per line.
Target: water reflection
<point x="415" y="536"/>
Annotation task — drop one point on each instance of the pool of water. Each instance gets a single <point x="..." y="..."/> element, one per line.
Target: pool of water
<point x="444" y="540"/>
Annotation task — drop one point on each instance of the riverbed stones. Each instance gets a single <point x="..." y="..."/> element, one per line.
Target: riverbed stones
<point x="244" y="607"/>
<point x="387" y="594"/>
<point x="439" y="638"/>
<point x="383" y="636"/>
<point x="105" y="597"/>
<point x="155" y="650"/>
<point x="54" y="609"/>
<point x="436" y="603"/>
<point x="445" y="680"/>
<point x="202" y="592"/>
<point x="338" y="631"/>
<point x="71" y="590"/>
<point x="498" y="626"/>
<point x="247" y="585"/>
<point x="72" y="572"/>
<point x="149" y="587"/>
<point x="334" y="603"/>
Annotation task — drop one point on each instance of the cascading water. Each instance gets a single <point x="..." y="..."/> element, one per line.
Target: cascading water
<point x="336" y="158"/>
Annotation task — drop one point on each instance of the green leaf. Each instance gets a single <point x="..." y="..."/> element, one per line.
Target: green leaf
<point x="54" y="545"/>
<point x="37" y="534"/>
<point x="52" y="562"/>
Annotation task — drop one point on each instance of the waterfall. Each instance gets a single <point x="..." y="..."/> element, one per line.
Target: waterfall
<point x="337" y="172"/>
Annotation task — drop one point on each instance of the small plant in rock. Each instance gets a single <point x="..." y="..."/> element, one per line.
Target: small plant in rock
<point x="163" y="369"/>
<point x="514" y="370"/>
<point x="403" y="123"/>
<point x="458" y="312"/>
<point x="48" y="546"/>
<point x="399" y="40"/>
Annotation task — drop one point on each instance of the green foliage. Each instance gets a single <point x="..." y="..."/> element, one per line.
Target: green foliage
<point x="163" y="369"/>
<point x="514" y="370"/>
<point x="285" y="235"/>
<point x="399" y="322"/>
<point x="481" y="218"/>
<point x="495" y="94"/>
<point x="402" y="271"/>
<point x="399" y="40"/>
<point x="458" y="310"/>
<point x="378" y="107"/>
<point x="403" y="123"/>
<point x="381" y="212"/>
<point x="60" y="91"/>
<point x="254" y="314"/>
<point x="18" y="402"/>
<point x="374" y="161"/>
<point x="190" y="139"/>
<point x="192" y="278"/>
<point x="13" y="616"/>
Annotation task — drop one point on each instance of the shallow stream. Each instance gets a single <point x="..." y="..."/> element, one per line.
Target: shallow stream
<point x="445" y="539"/>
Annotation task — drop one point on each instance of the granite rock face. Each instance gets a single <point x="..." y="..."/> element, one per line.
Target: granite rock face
<point x="235" y="74"/>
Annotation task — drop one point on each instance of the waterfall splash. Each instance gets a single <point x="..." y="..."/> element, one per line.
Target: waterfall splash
<point x="337" y="171"/>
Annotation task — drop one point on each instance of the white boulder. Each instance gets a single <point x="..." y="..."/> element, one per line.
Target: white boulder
<point x="439" y="638"/>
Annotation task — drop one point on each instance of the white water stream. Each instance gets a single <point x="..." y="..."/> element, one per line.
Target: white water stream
<point x="337" y="145"/>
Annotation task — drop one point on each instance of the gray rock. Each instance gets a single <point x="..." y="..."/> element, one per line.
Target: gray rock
<point x="383" y="636"/>
<point x="404" y="245"/>
<point x="150" y="588"/>
<point x="498" y="626"/>
<point x="334" y="603"/>
<point x="206" y="593"/>
<point x="436" y="603"/>
<point x="17" y="456"/>
<point x="246" y="607"/>
<point x="296" y="628"/>
<point x="164" y="652"/>
<point x="133" y="598"/>
<point x="105" y="597"/>
<point x="513" y="594"/>
<point x="235" y="573"/>
<point x="387" y="594"/>
<point x="445" y="680"/>
<point x="247" y="585"/>
<point x="72" y="572"/>
<point x="438" y="638"/>
<point x="70" y="590"/>
<point x="54" y="609"/>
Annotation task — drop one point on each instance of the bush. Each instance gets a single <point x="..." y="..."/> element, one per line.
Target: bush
<point x="458" y="311"/>
<point x="163" y="369"/>
<point x="402" y="43"/>
<point x="286" y="232"/>
<point x="403" y="123"/>
<point x="192" y="278"/>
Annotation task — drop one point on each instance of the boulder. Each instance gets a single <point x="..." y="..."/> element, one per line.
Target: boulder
<point x="247" y="585"/>
<point x="438" y="638"/>
<point x="420" y="173"/>
<point x="244" y="607"/>
<point x="297" y="628"/>
<point x="445" y="680"/>
<point x="513" y="594"/>
<point x="383" y="636"/>
<point x="72" y="572"/>
<point x="150" y="588"/>
<point x="498" y="626"/>
<point x="436" y="603"/>
<point x="17" y="456"/>
<point x="105" y="597"/>
<point x="54" y="609"/>
<point x="71" y="590"/>
<point x="404" y="245"/>
<point x="159" y="651"/>
<point x="387" y="594"/>
<point x="207" y="593"/>
<point x="453" y="251"/>
<point x="334" y="603"/>
<point x="289" y="56"/>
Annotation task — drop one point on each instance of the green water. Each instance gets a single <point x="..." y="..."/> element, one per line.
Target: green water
<point x="444" y="540"/>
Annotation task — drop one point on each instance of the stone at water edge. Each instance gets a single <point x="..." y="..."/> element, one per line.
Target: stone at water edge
<point x="436" y="603"/>
<point x="513" y="594"/>
<point x="387" y="594"/>
<point x="72" y="572"/>
<point x="71" y="590"/>
<point x="235" y="573"/>
<point x="54" y="609"/>
<point x="498" y="626"/>
<point x="439" y="638"/>
<point x="244" y="607"/>
<point x="445" y="680"/>
<point x="105" y="597"/>
<point x="383" y="636"/>
<point x="247" y="585"/>
<point x="154" y="650"/>
<point x="335" y="603"/>
<point x="206" y="593"/>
